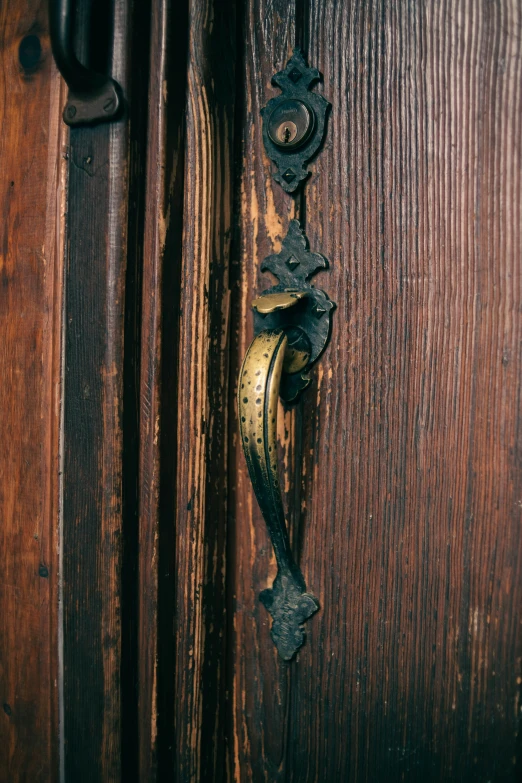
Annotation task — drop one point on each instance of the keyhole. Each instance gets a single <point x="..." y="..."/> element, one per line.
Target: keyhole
<point x="286" y="133"/>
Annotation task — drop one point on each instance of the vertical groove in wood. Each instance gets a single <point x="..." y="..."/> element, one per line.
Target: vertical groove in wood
<point x="159" y="386"/>
<point x="201" y="488"/>
<point x="137" y="78"/>
<point x="92" y="461"/>
<point x="33" y="189"/>
<point x="56" y="200"/>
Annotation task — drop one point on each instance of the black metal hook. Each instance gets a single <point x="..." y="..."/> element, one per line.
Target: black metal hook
<point x="93" y="97"/>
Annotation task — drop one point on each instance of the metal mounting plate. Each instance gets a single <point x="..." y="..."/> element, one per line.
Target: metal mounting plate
<point x="101" y="105"/>
<point x="308" y="308"/>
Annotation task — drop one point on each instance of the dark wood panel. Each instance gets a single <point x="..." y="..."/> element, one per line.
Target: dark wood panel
<point x="100" y="523"/>
<point x="201" y="483"/>
<point x="32" y="188"/>
<point x="408" y="520"/>
<point x="412" y="514"/>
<point x="159" y="386"/>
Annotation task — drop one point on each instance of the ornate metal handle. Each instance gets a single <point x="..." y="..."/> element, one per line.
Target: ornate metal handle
<point x="287" y="601"/>
<point x="93" y="97"/>
<point x="293" y="323"/>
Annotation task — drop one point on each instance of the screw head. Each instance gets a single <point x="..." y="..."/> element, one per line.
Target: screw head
<point x="70" y="112"/>
<point x="290" y="124"/>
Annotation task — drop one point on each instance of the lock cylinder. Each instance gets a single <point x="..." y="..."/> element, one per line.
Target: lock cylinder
<point x="290" y="124"/>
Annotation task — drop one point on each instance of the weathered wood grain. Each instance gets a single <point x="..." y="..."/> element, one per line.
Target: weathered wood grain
<point x="409" y="532"/>
<point x="32" y="177"/>
<point x="258" y="680"/>
<point x="100" y="473"/>
<point x="401" y="466"/>
<point x="159" y="386"/>
<point x="201" y="486"/>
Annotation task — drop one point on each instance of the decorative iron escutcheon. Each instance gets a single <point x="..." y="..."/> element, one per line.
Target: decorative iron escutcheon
<point x="292" y="326"/>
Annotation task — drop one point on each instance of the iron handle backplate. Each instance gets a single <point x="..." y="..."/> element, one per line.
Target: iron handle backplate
<point x="292" y="324"/>
<point x="295" y="305"/>
<point x="93" y="97"/>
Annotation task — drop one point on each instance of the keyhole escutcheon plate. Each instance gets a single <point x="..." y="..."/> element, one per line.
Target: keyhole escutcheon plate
<point x="294" y="122"/>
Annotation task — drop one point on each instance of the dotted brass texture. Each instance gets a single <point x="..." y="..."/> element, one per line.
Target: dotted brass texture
<point x="287" y="600"/>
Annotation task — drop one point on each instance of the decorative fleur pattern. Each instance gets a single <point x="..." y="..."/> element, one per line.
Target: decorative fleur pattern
<point x="289" y="607"/>
<point x="296" y="72"/>
<point x="295" y="264"/>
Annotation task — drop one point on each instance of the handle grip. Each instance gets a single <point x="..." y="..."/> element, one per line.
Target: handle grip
<point x="287" y="601"/>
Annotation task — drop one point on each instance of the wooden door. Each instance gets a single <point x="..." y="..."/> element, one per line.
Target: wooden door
<point x="134" y="645"/>
<point x="401" y="470"/>
<point x="401" y="465"/>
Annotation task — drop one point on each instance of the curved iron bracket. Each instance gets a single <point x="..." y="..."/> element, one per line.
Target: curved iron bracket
<point x="93" y="97"/>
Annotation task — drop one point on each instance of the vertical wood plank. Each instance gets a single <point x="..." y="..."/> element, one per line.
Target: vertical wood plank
<point x="32" y="178"/>
<point x="201" y="487"/>
<point x="412" y="516"/>
<point x="258" y="680"/>
<point x="100" y="534"/>
<point x="159" y="386"/>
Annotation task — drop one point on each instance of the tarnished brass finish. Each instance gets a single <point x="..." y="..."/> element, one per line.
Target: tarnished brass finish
<point x="290" y="123"/>
<point x="269" y="303"/>
<point x="299" y="350"/>
<point x="287" y="601"/>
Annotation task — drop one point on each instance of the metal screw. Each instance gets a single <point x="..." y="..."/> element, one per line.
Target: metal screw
<point x="71" y="111"/>
<point x="109" y="105"/>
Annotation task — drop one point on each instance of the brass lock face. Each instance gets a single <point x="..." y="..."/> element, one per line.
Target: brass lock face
<point x="290" y="124"/>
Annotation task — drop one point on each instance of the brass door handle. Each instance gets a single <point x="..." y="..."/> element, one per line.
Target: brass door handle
<point x="287" y="601"/>
<point x="293" y="322"/>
